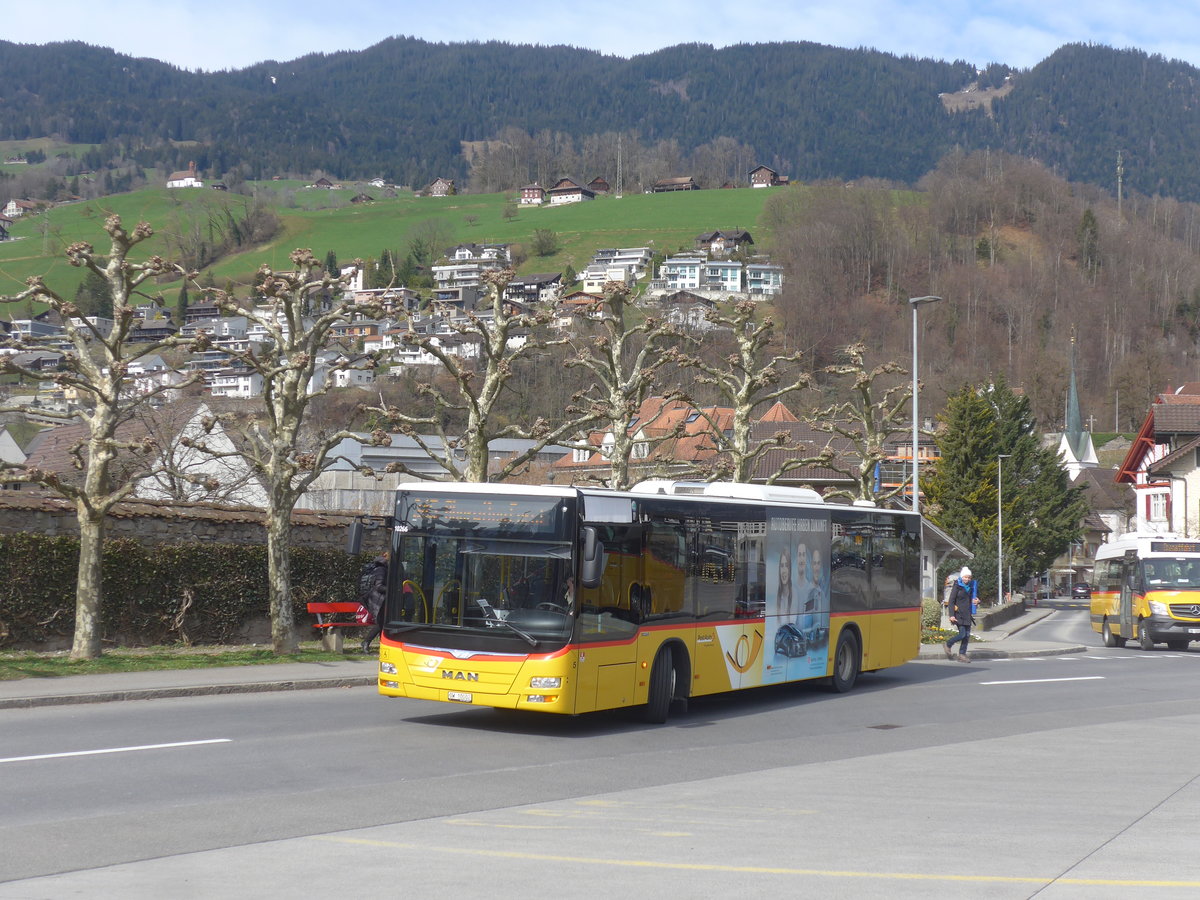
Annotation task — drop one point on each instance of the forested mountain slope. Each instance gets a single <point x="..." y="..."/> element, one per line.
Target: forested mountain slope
<point x="403" y="109"/>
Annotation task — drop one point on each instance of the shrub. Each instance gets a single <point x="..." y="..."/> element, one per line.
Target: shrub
<point x="154" y="594"/>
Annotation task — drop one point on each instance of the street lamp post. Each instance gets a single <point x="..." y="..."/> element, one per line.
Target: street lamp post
<point x="914" y="302"/>
<point x="1000" y="526"/>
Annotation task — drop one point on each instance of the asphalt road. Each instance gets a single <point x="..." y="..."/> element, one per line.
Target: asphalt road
<point x="1073" y="776"/>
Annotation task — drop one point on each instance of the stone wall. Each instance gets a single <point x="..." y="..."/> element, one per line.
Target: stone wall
<point x="154" y="522"/>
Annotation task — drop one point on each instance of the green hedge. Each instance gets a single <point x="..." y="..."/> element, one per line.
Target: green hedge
<point x="156" y="594"/>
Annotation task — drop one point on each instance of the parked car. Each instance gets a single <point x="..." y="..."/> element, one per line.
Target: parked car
<point x="1081" y="590"/>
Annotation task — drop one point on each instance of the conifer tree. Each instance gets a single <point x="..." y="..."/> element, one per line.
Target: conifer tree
<point x="1042" y="513"/>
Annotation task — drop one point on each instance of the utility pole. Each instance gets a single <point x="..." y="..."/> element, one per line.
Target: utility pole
<point x="619" y="182"/>
<point x="1120" y="183"/>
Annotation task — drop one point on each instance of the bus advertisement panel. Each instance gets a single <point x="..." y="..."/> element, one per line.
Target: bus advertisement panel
<point x="797" y="614"/>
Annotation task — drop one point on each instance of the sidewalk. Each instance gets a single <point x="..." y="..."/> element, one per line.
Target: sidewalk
<point x="1000" y="642"/>
<point x="25" y="692"/>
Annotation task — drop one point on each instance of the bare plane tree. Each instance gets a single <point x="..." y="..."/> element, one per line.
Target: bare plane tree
<point x="501" y="340"/>
<point x="98" y="369"/>
<point x="297" y="310"/>
<point x="623" y="361"/>
<point x="745" y="379"/>
<point x="866" y="422"/>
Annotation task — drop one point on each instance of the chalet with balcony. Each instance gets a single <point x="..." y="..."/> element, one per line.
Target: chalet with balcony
<point x="14" y="209"/>
<point x="441" y="187"/>
<point x="682" y="183"/>
<point x="533" y="195"/>
<point x="534" y="289"/>
<point x="151" y="331"/>
<point x="722" y="243"/>
<point x="568" y="190"/>
<point x="765" y="176"/>
<point x="687" y="310"/>
<point x="575" y="306"/>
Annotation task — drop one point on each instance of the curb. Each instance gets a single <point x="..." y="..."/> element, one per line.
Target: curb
<point x="989" y="653"/>
<point x="979" y="650"/>
<point x="199" y="690"/>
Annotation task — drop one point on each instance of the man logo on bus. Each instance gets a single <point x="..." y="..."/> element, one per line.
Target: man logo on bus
<point x="460" y="676"/>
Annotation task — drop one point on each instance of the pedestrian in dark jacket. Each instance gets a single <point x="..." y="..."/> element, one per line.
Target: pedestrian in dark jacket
<point x="960" y="614"/>
<point x="372" y="594"/>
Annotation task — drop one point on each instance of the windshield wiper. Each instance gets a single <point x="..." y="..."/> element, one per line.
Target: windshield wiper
<point x="403" y="626"/>
<point x="523" y="635"/>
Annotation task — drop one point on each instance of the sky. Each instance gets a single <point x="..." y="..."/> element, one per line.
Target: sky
<point x="224" y="34"/>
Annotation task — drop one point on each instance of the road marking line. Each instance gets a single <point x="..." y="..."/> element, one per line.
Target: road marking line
<point x="756" y="870"/>
<point x="115" y="750"/>
<point x="1044" y="680"/>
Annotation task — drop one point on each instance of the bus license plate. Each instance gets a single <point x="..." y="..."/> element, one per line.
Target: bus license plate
<point x="1194" y="631"/>
<point x="459" y="696"/>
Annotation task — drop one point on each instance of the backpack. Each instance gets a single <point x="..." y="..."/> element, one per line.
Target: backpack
<point x="372" y="585"/>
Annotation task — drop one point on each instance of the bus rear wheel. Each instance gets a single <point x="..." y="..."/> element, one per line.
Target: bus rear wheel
<point x="662" y="688"/>
<point x="846" y="660"/>
<point x="1144" y="640"/>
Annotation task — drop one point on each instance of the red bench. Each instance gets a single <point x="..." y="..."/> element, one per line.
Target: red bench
<point x="330" y="627"/>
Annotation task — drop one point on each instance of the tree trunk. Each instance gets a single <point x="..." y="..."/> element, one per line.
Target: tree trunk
<point x="279" y="582"/>
<point x="89" y="593"/>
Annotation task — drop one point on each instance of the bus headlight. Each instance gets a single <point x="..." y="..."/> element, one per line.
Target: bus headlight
<point x="545" y="682"/>
<point x="387" y="668"/>
<point x="1158" y="609"/>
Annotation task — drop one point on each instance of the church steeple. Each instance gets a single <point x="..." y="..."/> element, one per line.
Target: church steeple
<point x="1075" y="448"/>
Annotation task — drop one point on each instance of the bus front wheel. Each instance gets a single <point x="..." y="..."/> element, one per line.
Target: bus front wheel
<point x="1144" y="640"/>
<point x="845" y="663"/>
<point x="1110" y="640"/>
<point x="662" y="688"/>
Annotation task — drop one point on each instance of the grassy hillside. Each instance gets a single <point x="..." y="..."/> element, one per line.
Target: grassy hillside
<point x="326" y="220"/>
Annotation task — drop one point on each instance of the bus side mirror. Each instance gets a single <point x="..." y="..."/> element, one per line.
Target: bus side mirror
<point x="354" y="536"/>
<point x="591" y="569"/>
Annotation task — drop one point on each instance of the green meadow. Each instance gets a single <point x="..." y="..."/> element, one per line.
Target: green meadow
<point x="326" y="220"/>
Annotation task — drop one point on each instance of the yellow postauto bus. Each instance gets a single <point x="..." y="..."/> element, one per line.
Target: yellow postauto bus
<point x="1147" y="588"/>
<point x="572" y="599"/>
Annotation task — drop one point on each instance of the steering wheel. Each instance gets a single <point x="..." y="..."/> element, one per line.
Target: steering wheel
<point x="550" y="607"/>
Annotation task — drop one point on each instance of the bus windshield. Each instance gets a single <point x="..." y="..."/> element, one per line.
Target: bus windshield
<point x="1172" y="574"/>
<point x="485" y="573"/>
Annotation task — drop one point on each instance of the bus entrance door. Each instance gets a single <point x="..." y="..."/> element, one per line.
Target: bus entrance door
<point x="1125" y="613"/>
